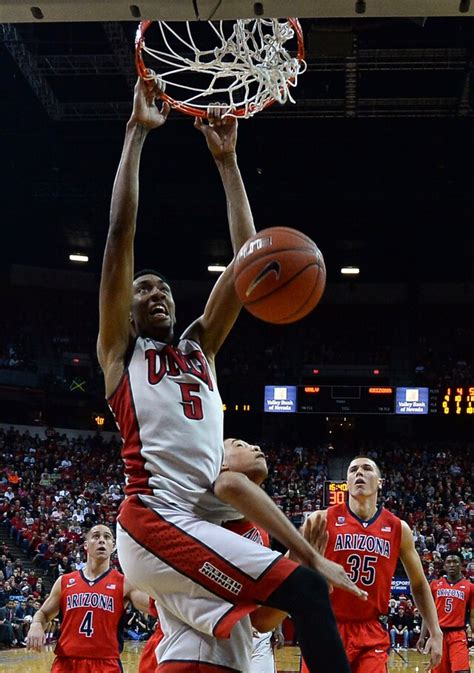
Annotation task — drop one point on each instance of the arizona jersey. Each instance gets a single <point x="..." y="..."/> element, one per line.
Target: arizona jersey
<point x="169" y="412"/>
<point x="249" y="530"/>
<point x="452" y="600"/>
<point x="92" y="612"/>
<point x="368" y="550"/>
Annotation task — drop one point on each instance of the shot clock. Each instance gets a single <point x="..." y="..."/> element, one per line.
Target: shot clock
<point x="334" y="492"/>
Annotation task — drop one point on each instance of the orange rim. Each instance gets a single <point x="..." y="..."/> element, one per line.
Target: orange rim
<point x="142" y="70"/>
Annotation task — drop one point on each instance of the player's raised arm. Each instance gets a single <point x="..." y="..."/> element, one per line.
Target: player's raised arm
<point x="50" y="608"/>
<point x="249" y="499"/>
<point x="422" y="595"/>
<point x="117" y="268"/>
<point x="223" y="306"/>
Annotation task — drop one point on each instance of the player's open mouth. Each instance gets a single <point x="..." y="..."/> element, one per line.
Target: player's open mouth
<point x="359" y="482"/>
<point x="159" y="309"/>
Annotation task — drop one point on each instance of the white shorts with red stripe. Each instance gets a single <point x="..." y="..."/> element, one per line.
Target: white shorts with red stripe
<point x="206" y="576"/>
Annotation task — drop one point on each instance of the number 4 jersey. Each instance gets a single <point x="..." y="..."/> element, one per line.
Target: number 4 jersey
<point x="368" y="550"/>
<point x="92" y="611"/>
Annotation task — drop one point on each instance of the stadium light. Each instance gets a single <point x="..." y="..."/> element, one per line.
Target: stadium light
<point x="77" y="257"/>
<point x="350" y="270"/>
<point x="216" y="268"/>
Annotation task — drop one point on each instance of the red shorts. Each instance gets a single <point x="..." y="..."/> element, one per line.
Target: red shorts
<point x="82" y="665"/>
<point x="366" y="645"/>
<point x="455" y="653"/>
<point x="148" y="662"/>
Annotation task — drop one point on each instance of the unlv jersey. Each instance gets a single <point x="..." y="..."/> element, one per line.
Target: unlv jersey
<point x="368" y="550"/>
<point x="169" y="412"/>
<point x="91" y="616"/>
<point x="452" y="601"/>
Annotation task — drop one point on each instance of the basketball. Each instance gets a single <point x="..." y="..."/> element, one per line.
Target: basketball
<point x="279" y="275"/>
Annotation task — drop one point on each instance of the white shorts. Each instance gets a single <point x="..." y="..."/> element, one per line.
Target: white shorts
<point x="206" y="576"/>
<point x="263" y="659"/>
<point x="181" y="643"/>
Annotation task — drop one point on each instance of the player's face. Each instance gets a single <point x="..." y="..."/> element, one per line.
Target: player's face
<point x="246" y="458"/>
<point x="363" y="478"/>
<point x="153" y="309"/>
<point x="452" y="565"/>
<point x="99" y="543"/>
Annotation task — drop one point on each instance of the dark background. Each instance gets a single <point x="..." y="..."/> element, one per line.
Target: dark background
<point x="379" y="174"/>
<point x="373" y="161"/>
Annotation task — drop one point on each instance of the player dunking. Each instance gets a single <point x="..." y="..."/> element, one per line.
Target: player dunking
<point x="368" y="540"/>
<point x="92" y="603"/>
<point x="454" y="600"/>
<point x="169" y="412"/>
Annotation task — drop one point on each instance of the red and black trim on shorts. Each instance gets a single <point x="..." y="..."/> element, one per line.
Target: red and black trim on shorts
<point x="189" y="556"/>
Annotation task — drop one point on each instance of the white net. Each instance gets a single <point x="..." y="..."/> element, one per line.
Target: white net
<point x="249" y="68"/>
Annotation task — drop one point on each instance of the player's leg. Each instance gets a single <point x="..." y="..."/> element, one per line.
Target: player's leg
<point x="305" y="595"/>
<point x="445" y="664"/>
<point x="370" y="661"/>
<point x="223" y="576"/>
<point x="458" y="652"/>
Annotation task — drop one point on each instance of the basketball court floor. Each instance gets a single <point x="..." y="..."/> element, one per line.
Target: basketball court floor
<point x="288" y="660"/>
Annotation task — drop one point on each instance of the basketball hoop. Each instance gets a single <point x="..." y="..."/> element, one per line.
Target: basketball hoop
<point x="246" y="71"/>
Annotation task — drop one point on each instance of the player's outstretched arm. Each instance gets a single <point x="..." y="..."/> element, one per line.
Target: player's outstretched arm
<point x="221" y="137"/>
<point x="252" y="501"/>
<point x="422" y="596"/>
<point x="139" y="599"/>
<point x="115" y="293"/>
<point x="48" y="611"/>
<point x="223" y="306"/>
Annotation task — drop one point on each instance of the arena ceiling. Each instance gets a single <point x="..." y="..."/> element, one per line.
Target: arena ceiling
<point x="373" y="160"/>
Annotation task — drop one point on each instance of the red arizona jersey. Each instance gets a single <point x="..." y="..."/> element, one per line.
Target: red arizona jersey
<point x="452" y="601"/>
<point x="91" y="616"/>
<point x="369" y="551"/>
<point x="249" y="530"/>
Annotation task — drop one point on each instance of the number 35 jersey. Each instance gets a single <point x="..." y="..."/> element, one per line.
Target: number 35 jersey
<point x="368" y="550"/>
<point x="92" y="612"/>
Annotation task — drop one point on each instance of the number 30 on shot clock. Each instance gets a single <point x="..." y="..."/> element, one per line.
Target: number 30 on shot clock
<point x="335" y="492"/>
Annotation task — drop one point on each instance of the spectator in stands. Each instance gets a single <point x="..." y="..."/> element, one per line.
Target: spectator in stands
<point x="400" y="627"/>
<point x="415" y="626"/>
<point x="136" y="627"/>
<point x="7" y="635"/>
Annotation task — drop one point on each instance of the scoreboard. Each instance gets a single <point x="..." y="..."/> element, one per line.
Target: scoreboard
<point x="456" y="400"/>
<point x="334" y="492"/>
<point x="447" y="400"/>
<point x="345" y="399"/>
